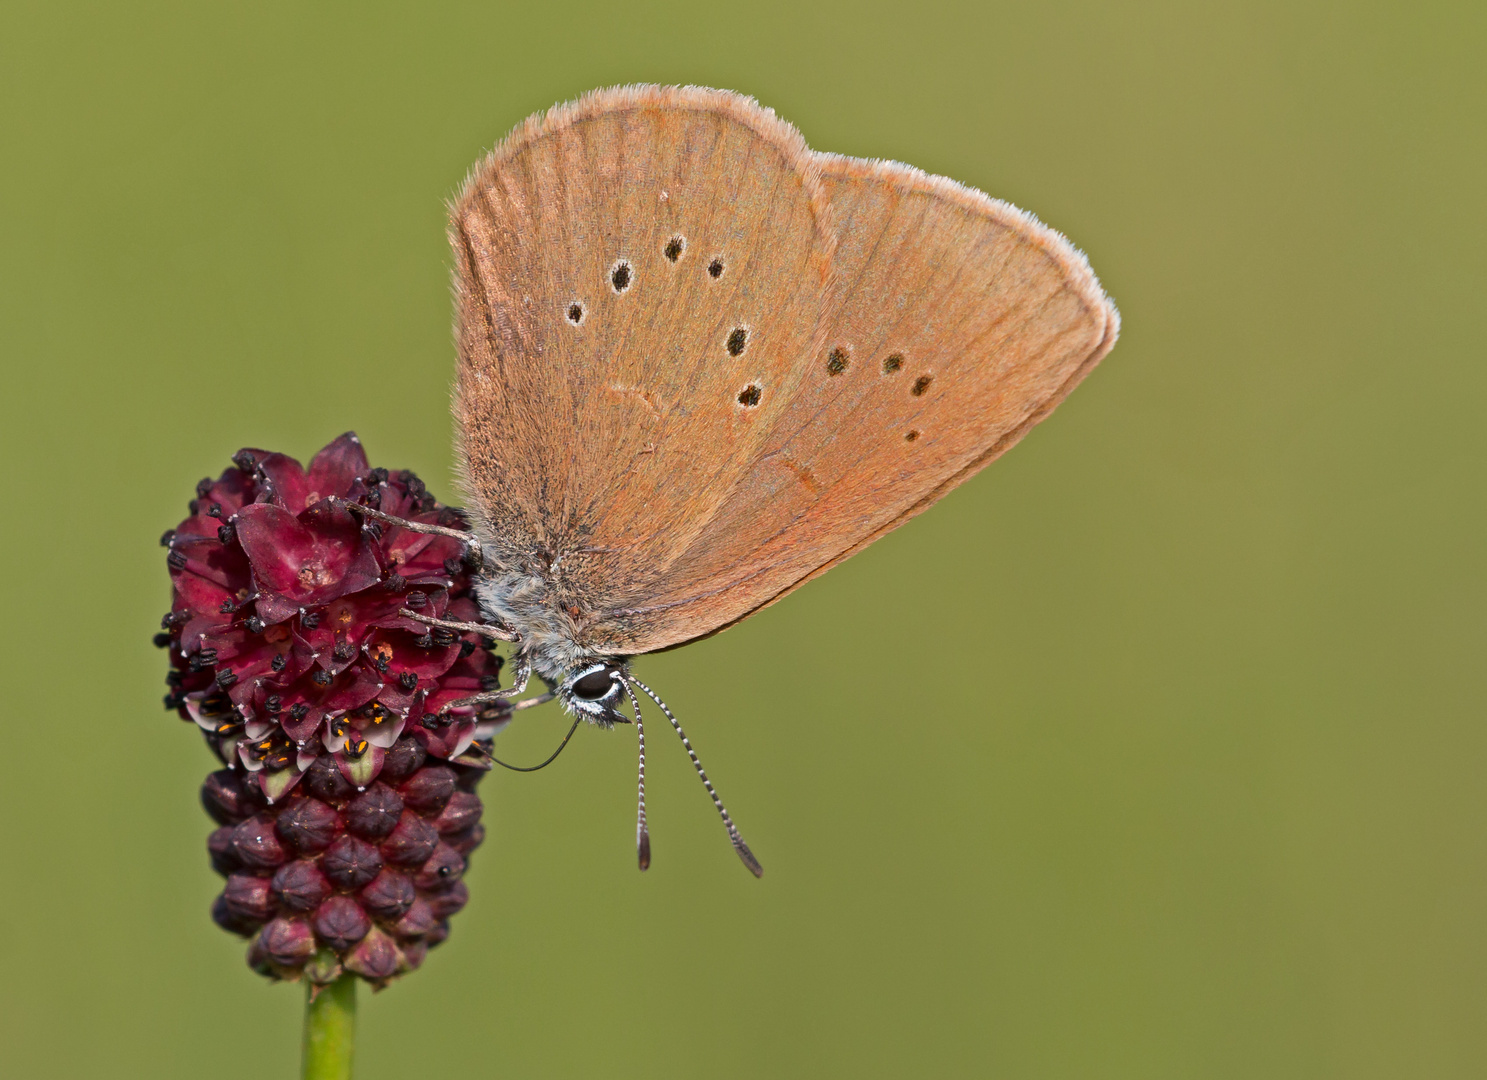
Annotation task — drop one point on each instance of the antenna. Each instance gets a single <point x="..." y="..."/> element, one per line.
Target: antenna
<point x="738" y="843"/>
<point x="642" y="834"/>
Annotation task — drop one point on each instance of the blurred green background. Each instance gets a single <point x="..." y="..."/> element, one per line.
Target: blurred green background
<point x="1155" y="751"/>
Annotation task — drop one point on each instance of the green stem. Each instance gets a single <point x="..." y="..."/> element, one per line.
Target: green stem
<point x="330" y="1029"/>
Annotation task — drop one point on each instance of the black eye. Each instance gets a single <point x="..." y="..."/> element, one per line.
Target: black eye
<point x="594" y="685"/>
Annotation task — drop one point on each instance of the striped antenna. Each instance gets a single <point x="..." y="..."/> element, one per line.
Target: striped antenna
<point x="642" y="834"/>
<point x="738" y="843"/>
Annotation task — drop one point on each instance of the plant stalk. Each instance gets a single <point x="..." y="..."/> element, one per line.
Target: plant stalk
<point x="330" y="1029"/>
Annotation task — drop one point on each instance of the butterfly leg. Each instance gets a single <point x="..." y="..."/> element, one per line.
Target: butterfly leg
<point x="470" y="540"/>
<point x="490" y="630"/>
<point x="520" y="679"/>
<point x="518" y="686"/>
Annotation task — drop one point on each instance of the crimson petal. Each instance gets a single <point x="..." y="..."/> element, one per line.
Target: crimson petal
<point x="299" y="563"/>
<point x="285" y="482"/>
<point x="335" y="467"/>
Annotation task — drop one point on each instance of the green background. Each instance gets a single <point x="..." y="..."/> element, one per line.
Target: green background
<point x="1154" y="751"/>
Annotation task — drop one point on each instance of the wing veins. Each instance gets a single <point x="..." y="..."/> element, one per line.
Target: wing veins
<point x="1013" y="434"/>
<point x="822" y="494"/>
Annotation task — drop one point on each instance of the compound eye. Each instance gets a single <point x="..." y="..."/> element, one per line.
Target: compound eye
<point x="594" y="685"/>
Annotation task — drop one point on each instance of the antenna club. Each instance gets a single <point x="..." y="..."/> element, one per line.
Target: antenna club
<point x="748" y="858"/>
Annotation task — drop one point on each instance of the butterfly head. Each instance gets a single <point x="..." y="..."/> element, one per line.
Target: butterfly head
<point x="594" y="692"/>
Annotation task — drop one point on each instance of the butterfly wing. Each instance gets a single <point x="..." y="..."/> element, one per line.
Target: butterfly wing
<point x="803" y="351"/>
<point x="637" y="274"/>
<point x="957" y="323"/>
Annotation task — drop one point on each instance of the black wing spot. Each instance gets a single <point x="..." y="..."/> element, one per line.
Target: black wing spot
<point x="837" y="361"/>
<point x="715" y="268"/>
<point x="750" y="395"/>
<point x="620" y="276"/>
<point x="912" y="435"/>
<point x="892" y="362"/>
<point x="921" y="384"/>
<point x="674" y="247"/>
<point x="738" y="341"/>
<point x="577" y="312"/>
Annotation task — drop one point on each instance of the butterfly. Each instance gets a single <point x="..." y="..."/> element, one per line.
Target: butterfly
<point x="700" y="364"/>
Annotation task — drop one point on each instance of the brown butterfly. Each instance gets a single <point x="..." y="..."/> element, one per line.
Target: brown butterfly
<point x="700" y="364"/>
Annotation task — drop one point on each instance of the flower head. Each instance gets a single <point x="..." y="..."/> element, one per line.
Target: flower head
<point x="346" y="805"/>
<point x="288" y="634"/>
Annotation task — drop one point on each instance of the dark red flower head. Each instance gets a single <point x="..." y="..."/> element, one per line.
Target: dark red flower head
<point x="290" y="648"/>
<point x="286" y="634"/>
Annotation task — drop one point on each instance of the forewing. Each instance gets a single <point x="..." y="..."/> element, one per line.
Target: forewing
<point x="604" y="419"/>
<point x="958" y="322"/>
